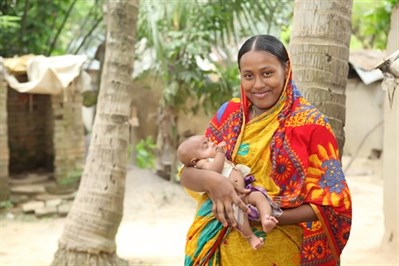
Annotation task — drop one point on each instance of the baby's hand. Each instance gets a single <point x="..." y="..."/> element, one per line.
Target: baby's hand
<point x="221" y="147"/>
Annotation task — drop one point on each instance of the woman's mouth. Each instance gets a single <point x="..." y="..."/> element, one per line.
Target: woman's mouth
<point x="261" y="94"/>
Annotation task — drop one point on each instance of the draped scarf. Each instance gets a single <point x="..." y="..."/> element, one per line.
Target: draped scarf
<point x="304" y="165"/>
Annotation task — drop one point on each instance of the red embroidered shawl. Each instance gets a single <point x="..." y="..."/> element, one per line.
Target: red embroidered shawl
<point x="305" y="165"/>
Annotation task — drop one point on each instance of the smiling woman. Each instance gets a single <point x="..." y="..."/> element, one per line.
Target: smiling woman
<point x="262" y="79"/>
<point x="292" y="152"/>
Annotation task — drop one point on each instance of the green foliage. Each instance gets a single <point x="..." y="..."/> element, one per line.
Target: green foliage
<point x="72" y="178"/>
<point x="45" y="27"/>
<point x="89" y="98"/>
<point x="9" y="22"/>
<point x="184" y="34"/>
<point x="226" y="87"/>
<point x="7" y="204"/>
<point x="371" y="23"/>
<point x="286" y="34"/>
<point x="145" y="153"/>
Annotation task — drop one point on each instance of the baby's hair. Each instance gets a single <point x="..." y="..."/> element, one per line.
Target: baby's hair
<point x="184" y="153"/>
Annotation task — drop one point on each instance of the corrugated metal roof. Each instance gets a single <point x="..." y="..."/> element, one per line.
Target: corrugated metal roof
<point x="364" y="63"/>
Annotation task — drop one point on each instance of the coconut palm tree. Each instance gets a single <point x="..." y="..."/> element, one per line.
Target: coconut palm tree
<point x="319" y="49"/>
<point x="5" y="154"/>
<point x="92" y="223"/>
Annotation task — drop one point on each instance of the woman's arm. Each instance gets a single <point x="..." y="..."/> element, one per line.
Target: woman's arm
<point x="196" y="179"/>
<point x="303" y="213"/>
<point x="219" y="189"/>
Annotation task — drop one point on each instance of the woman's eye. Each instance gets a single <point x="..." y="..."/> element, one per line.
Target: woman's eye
<point x="247" y="76"/>
<point x="267" y="74"/>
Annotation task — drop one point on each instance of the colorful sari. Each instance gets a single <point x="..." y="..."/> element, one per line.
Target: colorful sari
<point x="293" y="154"/>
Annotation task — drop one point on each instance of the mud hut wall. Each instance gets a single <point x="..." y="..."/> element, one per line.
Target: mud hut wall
<point x="68" y="138"/>
<point x="4" y="151"/>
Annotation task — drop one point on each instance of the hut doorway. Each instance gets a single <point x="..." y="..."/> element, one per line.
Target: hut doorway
<point x="30" y="132"/>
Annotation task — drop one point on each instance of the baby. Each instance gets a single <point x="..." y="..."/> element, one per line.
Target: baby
<point x="197" y="151"/>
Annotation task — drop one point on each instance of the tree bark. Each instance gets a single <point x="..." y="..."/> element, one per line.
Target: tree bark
<point x="5" y="152"/>
<point x="319" y="50"/>
<point x="91" y="226"/>
<point x="167" y="143"/>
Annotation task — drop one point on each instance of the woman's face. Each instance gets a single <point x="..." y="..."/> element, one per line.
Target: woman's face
<point x="262" y="78"/>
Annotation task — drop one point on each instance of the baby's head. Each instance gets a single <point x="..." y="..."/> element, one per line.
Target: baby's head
<point x="195" y="148"/>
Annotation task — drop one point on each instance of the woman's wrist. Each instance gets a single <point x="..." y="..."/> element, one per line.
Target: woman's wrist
<point x="302" y="213"/>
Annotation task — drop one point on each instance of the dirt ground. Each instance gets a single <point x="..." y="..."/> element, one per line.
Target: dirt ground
<point x="158" y="213"/>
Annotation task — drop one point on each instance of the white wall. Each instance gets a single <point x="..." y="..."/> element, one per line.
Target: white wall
<point x="390" y="165"/>
<point x="364" y="111"/>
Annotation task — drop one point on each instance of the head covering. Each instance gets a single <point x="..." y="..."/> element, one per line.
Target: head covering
<point x="302" y="162"/>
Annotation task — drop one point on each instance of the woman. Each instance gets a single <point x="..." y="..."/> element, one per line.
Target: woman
<point x="293" y="153"/>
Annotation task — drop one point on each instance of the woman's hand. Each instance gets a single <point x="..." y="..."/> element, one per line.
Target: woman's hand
<point x="224" y="195"/>
<point x="219" y="189"/>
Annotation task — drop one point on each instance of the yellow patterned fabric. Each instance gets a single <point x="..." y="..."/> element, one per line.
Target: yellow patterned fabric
<point x="253" y="151"/>
<point x="205" y="234"/>
<point x="234" y="250"/>
<point x="293" y="154"/>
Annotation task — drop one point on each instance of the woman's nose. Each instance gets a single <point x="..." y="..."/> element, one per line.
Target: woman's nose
<point x="258" y="83"/>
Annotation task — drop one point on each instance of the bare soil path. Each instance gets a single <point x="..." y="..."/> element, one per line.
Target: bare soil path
<point x="158" y="213"/>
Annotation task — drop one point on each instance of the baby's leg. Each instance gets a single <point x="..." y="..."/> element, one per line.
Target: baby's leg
<point x="259" y="200"/>
<point x="246" y="232"/>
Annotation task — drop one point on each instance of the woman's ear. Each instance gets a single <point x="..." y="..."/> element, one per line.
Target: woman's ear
<point x="286" y="68"/>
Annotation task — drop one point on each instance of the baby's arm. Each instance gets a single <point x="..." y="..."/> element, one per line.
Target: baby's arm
<point x="217" y="163"/>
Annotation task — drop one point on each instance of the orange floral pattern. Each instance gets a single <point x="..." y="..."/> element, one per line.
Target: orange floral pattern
<point x="306" y="169"/>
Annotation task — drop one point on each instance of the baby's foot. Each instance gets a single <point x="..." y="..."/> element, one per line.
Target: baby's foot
<point x="255" y="242"/>
<point x="268" y="223"/>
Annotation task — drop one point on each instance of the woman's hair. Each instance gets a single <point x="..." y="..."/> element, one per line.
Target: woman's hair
<point x="266" y="43"/>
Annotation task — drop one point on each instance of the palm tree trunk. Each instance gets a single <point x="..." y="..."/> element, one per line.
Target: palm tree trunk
<point x="91" y="226"/>
<point x="4" y="153"/>
<point x="319" y="49"/>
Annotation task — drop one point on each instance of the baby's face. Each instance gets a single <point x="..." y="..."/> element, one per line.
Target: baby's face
<point x="203" y="147"/>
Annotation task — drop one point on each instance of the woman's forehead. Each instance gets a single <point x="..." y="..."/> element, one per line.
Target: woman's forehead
<point x="258" y="59"/>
